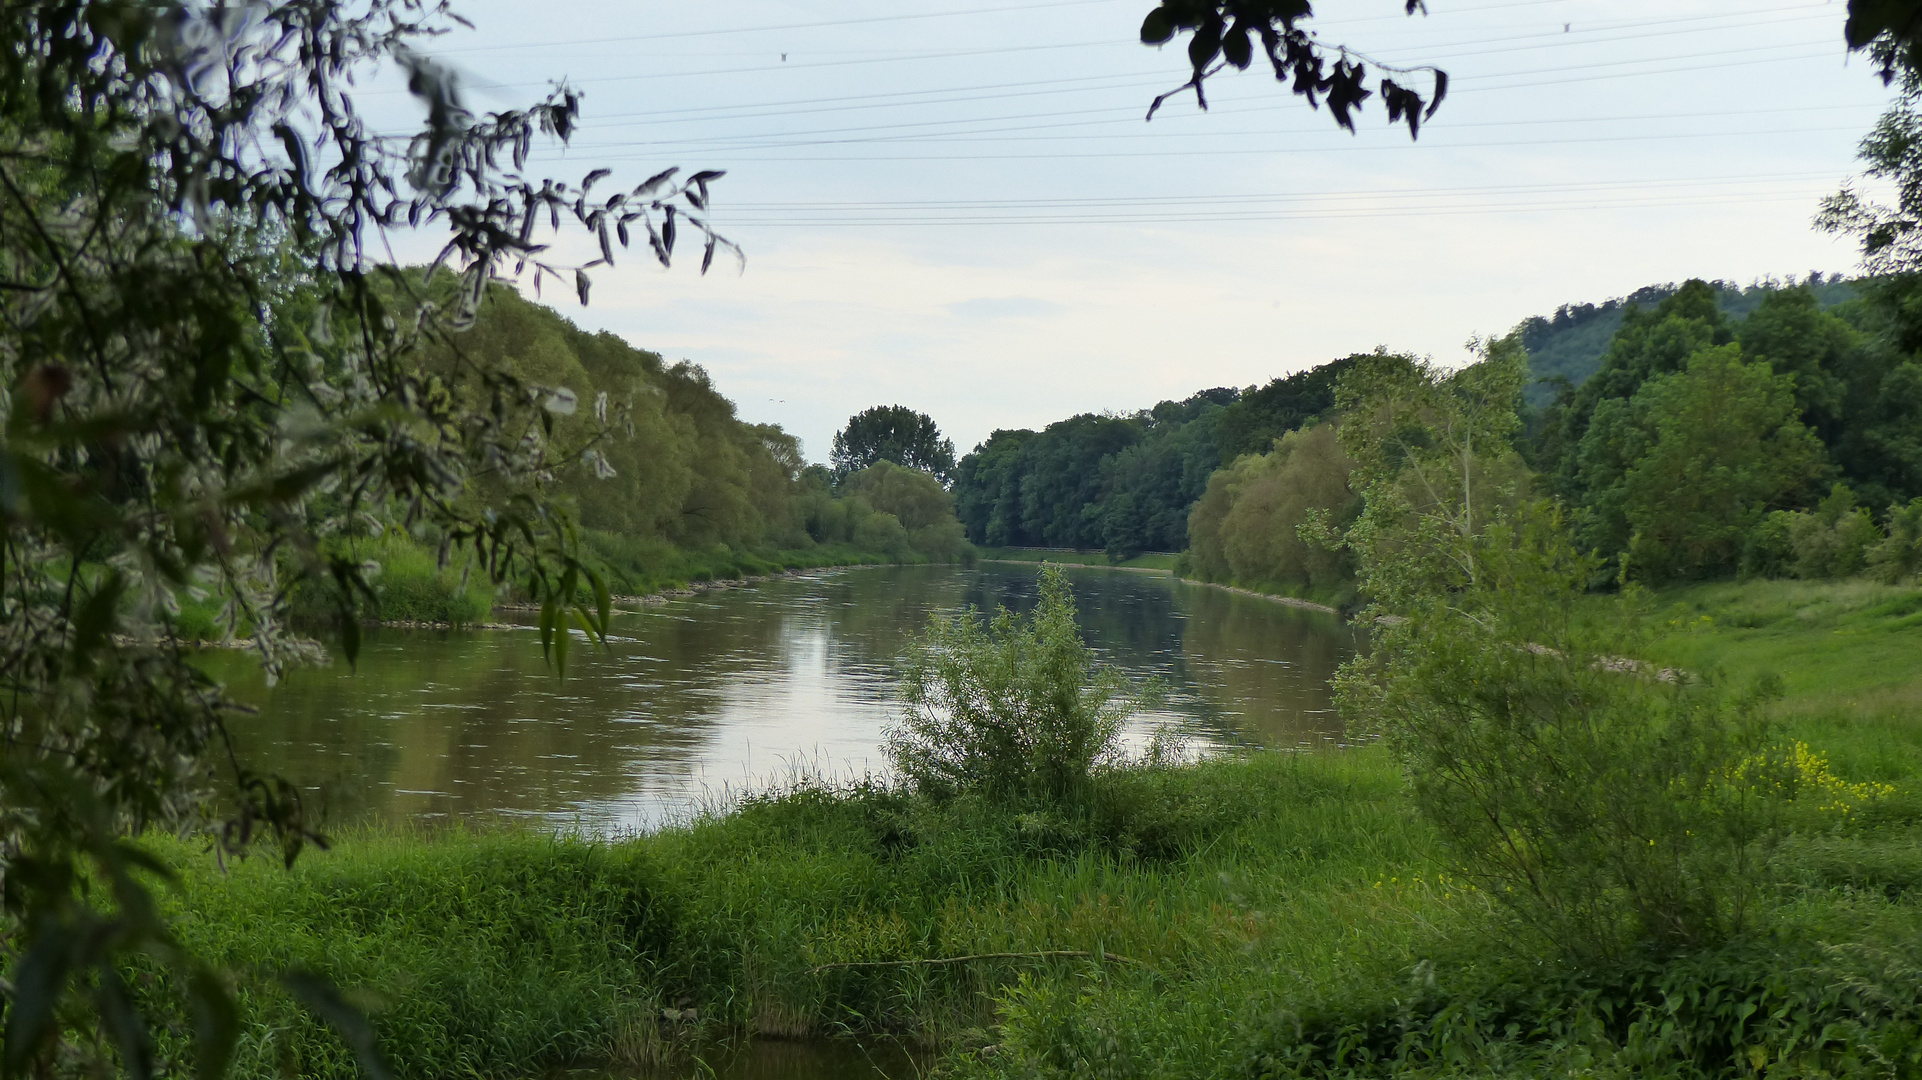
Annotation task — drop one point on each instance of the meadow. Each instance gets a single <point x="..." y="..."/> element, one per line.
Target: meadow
<point x="1275" y="914"/>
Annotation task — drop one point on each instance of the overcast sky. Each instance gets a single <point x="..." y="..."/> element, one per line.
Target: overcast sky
<point x="955" y="205"/>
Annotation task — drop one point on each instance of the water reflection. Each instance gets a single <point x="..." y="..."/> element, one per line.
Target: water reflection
<point x="729" y="689"/>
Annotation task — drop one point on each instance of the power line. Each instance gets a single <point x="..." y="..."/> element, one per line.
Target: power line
<point x="1431" y="145"/>
<point x="780" y="26"/>
<point x="1310" y="214"/>
<point x="864" y="102"/>
<point x="1562" y="187"/>
<point x="871" y="132"/>
<point x="832" y="23"/>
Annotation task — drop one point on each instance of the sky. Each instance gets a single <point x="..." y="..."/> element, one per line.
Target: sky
<point x="957" y="205"/>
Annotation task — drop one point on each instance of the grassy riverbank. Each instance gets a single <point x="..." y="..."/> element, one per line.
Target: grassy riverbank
<point x="1284" y="914"/>
<point x="1147" y="561"/>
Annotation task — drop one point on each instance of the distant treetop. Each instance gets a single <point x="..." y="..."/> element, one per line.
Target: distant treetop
<point x="893" y="433"/>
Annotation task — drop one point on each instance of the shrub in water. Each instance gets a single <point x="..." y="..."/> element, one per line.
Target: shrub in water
<point x="1013" y="708"/>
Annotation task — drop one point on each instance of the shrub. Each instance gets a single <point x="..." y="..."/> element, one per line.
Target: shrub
<point x="1899" y="556"/>
<point x="1834" y="540"/>
<point x="881" y="532"/>
<point x="1612" y="807"/>
<point x="1015" y="708"/>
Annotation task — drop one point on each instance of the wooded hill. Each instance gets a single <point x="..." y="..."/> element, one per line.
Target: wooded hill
<point x="1129" y="483"/>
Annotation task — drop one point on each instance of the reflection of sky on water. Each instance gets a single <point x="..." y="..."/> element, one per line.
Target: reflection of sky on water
<point x="733" y="690"/>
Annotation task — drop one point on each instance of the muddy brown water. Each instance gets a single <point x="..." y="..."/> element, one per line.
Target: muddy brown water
<point x="736" y="690"/>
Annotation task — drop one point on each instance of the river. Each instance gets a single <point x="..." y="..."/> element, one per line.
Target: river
<point x="733" y="690"/>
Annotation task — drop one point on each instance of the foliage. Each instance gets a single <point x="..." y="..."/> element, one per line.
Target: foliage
<point x="1588" y="792"/>
<point x="1247" y="528"/>
<point x="1120" y="483"/>
<point x="893" y="433"/>
<point x="917" y="502"/>
<point x="205" y="382"/>
<point x="670" y="459"/>
<point x="1013" y="708"/>
<point x="1434" y="465"/>
<point x="1899" y="556"/>
<point x="1567" y="347"/>
<point x="1225" y="33"/>
<point x="885" y="508"/>
<point x="1585" y="791"/>
<point x="1834" y="540"/>
<point x="1722" y="449"/>
<point x="1252" y="423"/>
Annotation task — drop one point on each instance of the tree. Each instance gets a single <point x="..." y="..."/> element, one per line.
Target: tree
<point x="893" y="433"/>
<point x="1604" y="806"/>
<point x="206" y="378"/>
<point x="1723" y="448"/>
<point x="1247" y="528"/>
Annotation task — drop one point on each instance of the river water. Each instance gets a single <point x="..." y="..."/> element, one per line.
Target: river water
<point x="734" y="690"/>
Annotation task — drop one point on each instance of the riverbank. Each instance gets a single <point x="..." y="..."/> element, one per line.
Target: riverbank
<point x="1153" y="562"/>
<point x="1279" y="914"/>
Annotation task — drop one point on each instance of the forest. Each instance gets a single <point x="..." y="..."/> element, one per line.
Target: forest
<point x="1695" y="431"/>
<point x="673" y="487"/>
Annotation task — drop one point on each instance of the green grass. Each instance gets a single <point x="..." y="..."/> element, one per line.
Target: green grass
<point x="1280" y="914"/>
<point x="1148" y="561"/>
<point x="507" y="952"/>
<point x="1849" y="654"/>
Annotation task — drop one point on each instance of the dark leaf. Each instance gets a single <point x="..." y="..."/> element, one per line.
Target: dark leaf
<point x="349" y="1023"/>
<point x="38" y="981"/>
<point x="653" y="183"/>
<point x="216" y="1023"/>
<point x="667" y="234"/>
<point x="1157" y="28"/>
<point x="117" y="1015"/>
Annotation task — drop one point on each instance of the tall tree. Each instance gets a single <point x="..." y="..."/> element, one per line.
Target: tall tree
<point x="893" y="433"/>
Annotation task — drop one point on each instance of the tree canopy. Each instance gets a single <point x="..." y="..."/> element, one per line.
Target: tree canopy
<point x="893" y="433"/>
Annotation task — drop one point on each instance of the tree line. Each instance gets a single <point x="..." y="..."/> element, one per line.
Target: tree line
<point x="1125" y="483"/>
<point x="673" y="475"/>
<point x="1786" y="443"/>
<point x="1769" y="429"/>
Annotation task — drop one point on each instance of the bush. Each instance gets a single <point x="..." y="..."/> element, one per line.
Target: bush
<point x="1899" y="556"/>
<point x="1832" y="541"/>
<point x="1610" y="806"/>
<point x="881" y="531"/>
<point x="1015" y="708"/>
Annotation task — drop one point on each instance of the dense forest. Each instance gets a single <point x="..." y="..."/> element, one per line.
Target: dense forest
<point x="1696" y="430"/>
<point x="1125" y="484"/>
<point x="1786" y="442"/>
<point x="1568" y="345"/>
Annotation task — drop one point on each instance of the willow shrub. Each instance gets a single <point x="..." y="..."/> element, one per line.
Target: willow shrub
<point x="1014" y="707"/>
<point x="1611" y="806"/>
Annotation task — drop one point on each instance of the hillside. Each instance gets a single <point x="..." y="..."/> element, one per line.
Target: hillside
<point x="1569" y="344"/>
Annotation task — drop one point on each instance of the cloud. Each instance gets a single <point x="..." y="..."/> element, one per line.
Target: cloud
<point x="1004" y="307"/>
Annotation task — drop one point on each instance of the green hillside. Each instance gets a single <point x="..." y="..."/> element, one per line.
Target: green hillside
<point x="1569" y="344"/>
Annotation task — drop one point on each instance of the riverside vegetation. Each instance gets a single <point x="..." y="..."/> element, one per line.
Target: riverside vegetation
<point x="1598" y="833"/>
<point x="1584" y="857"/>
<point x="1286" y="914"/>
